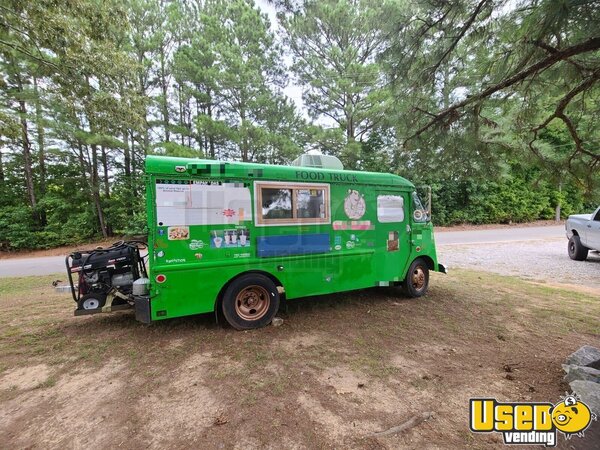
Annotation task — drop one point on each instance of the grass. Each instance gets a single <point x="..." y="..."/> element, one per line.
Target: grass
<point x="468" y="320"/>
<point x="39" y="321"/>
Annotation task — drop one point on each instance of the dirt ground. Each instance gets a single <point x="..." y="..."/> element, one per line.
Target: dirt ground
<point x="340" y="368"/>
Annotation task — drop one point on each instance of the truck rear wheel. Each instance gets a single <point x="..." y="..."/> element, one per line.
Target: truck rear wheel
<point x="417" y="279"/>
<point x="250" y="301"/>
<point x="576" y="249"/>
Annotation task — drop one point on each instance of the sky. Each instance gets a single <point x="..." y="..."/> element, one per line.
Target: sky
<point x="292" y="90"/>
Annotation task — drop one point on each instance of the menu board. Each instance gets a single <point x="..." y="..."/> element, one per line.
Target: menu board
<point x="202" y="204"/>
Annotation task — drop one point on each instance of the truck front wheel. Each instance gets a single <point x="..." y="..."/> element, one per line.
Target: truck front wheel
<point x="576" y="249"/>
<point x="417" y="279"/>
<point x="250" y="301"/>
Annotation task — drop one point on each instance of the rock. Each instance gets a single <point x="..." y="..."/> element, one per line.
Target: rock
<point x="589" y="393"/>
<point x="277" y="321"/>
<point x="581" y="373"/>
<point x="585" y="356"/>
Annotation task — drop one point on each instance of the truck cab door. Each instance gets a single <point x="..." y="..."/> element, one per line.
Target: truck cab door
<point x="393" y="235"/>
<point x="592" y="232"/>
<point x="422" y="238"/>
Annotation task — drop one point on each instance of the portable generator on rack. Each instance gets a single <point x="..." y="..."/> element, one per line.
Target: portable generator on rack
<point x="108" y="279"/>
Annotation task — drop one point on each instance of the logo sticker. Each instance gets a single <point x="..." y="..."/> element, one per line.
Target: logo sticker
<point x="175" y="260"/>
<point x="196" y="244"/>
<point x="530" y="423"/>
<point x="354" y="205"/>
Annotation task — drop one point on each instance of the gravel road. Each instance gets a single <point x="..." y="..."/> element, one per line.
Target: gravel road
<point x="543" y="259"/>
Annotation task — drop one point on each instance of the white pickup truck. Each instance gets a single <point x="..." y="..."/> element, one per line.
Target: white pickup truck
<point x="583" y="231"/>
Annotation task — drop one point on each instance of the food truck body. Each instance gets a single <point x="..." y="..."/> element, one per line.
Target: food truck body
<point x="239" y="238"/>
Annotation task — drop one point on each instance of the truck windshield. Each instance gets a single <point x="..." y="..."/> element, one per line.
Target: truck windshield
<point x="420" y="214"/>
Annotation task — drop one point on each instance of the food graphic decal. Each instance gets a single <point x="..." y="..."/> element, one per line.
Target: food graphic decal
<point x="354" y="205"/>
<point x="178" y="233"/>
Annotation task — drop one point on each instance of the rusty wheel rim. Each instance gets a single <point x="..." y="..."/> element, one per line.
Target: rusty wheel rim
<point x="418" y="278"/>
<point x="252" y="302"/>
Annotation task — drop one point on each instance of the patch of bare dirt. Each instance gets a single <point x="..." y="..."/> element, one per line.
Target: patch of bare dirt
<point x="71" y="413"/>
<point x="180" y="406"/>
<point x="23" y="378"/>
<point x="301" y="341"/>
<point x="335" y="426"/>
<point x="339" y="369"/>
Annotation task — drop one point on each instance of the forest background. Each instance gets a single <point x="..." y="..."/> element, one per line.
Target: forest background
<point x="494" y="104"/>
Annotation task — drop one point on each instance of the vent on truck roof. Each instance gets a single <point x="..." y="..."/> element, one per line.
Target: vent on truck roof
<point x="318" y="161"/>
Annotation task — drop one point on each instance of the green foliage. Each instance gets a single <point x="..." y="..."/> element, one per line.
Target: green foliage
<point x="335" y="44"/>
<point x="175" y="149"/>
<point x="18" y="230"/>
<point x="89" y="88"/>
<point x="506" y="201"/>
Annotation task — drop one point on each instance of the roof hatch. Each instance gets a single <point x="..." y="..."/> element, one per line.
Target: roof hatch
<point x="318" y="161"/>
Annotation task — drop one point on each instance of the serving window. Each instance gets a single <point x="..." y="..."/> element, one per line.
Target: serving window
<point x="289" y="204"/>
<point x="390" y="208"/>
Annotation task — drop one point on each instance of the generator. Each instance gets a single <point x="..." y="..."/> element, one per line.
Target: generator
<point x="108" y="279"/>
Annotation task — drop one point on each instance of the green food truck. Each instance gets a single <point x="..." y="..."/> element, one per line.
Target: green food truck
<point x="239" y="238"/>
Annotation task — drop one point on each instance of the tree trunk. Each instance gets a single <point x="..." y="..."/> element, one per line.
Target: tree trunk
<point x="142" y="90"/>
<point x="133" y="169"/>
<point x="1" y="169"/>
<point x="127" y="164"/>
<point x="26" y="146"/>
<point x="96" y="191"/>
<point x="244" y="143"/>
<point x="188" y="120"/>
<point x="557" y="211"/>
<point x="165" y="101"/>
<point x="181" y="113"/>
<point x="84" y="169"/>
<point x="105" y="172"/>
<point x="39" y="119"/>
<point x="211" y="139"/>
<point x="349" y="118"/>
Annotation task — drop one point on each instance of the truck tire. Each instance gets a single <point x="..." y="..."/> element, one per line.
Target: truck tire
<point x="250" y="301"/>
<point x="576" y="249"/>
<point x="417" y="279"/>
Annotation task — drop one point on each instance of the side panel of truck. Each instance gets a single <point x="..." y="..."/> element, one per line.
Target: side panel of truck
<point x="358" y="256"/>
<point x="592" y="231"/>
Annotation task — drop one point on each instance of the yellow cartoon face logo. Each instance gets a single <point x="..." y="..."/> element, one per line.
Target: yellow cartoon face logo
<point x="571" y="416"/>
